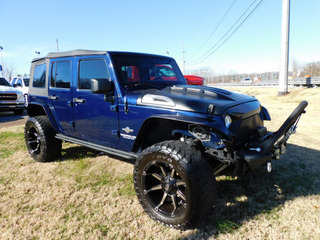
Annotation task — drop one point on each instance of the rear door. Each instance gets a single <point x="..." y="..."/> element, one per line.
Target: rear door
<point x="60" y="94"/>
<point x="96" y="120"/>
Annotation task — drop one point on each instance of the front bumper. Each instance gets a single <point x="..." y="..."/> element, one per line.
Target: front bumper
<point x="274" y="144"/>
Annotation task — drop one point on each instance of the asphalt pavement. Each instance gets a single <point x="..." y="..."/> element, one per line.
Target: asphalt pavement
<point x="8" y="119"/>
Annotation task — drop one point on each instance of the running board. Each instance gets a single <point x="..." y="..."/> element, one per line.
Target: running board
<point x="112" y="151"/>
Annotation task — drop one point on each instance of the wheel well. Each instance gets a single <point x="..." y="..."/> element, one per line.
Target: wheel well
<point x="35" y="110"/>
<point x="157" y="130"/>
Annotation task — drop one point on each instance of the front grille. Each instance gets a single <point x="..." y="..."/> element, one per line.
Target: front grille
<point x="8" y="96"/>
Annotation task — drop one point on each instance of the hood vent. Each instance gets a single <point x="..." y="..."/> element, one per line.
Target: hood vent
<point x="196" y="90"/>
<point x="152" y="100"/>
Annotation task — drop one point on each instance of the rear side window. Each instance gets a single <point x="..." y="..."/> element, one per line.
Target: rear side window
<point x="39" y="76"/>
<point x="91" y="68"/>
<point x="60" y="74"/>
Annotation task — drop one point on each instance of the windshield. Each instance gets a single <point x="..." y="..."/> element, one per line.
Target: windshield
<point x="146" y="71"/>
<point x="4" y="82"/>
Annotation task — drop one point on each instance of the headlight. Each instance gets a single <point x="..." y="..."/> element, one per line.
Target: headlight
<point x="227" y="121"/>
<point x="19" y="95"/>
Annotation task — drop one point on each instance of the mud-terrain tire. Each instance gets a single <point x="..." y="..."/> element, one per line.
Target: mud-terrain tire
<point x="174" y="183"/>
<point x="40" y="139"/>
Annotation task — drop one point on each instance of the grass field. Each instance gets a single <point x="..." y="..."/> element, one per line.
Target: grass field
<point x="85" y="195"/>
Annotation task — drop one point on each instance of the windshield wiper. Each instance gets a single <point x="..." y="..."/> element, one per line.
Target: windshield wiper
<point x="142" y="84"/>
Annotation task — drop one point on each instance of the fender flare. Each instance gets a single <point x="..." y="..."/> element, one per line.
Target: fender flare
<point x="211" y="125"/>
<point x="33" y="110"/>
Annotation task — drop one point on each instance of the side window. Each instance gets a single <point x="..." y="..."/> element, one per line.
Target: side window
<point x="91" y="68"/>
<point x="26" y="81"/>
<point x="39" y="76"/>
<point x="60" y="74"/>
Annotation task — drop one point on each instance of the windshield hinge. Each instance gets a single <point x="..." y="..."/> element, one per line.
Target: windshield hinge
<point x="126" y="108"/>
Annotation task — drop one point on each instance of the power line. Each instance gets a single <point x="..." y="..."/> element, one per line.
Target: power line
<point x="224" y="16"/>
<point x="199" y="12"/>
<point x="213" y="49"/>
<point x="208" y="52"/>
<point x="235" y="29"/>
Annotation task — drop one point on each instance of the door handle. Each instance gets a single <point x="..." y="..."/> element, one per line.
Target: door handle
<point x="79" y="100"/>
<point x="52" y="97"/>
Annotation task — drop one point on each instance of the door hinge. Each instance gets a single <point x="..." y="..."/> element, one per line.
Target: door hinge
<point x="72" y="124"/>
<point x="114" y="108"/>
<point x="69" y="103"/>
<point x="115" y="133"/>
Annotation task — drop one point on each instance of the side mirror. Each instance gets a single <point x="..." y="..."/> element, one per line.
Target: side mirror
<point x="100" y="85"/>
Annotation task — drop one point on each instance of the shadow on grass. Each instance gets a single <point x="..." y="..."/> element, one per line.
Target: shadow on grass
<point x="76" y="152"/>
<point x="296" y="174"/>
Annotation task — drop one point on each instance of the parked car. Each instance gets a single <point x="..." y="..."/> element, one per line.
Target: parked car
<point x="246" y="80"/>
<point x="22" y="84"/>
<point x="11" y="99"/>
<point x="194" y="80"/>
<point x="180" y="136"/>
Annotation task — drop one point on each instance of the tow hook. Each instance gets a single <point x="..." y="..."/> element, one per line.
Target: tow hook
<point x="269" y="167"/>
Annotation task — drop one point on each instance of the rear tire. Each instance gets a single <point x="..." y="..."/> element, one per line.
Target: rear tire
<point x="40" y="139"/>
<point x="174" y="183"/>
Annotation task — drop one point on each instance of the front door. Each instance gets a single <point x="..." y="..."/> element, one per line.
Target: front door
<point x="96" y="120"/>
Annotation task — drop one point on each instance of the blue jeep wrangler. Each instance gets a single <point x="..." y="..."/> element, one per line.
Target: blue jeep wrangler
<point x="139" y="107"/>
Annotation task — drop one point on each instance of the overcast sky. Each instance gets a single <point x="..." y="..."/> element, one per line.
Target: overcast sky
<point x="162" y="27"/>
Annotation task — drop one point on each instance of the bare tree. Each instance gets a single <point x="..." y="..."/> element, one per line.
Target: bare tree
<point x="296" y="69"/>
<point x="311" y="69"/>
<point x="9" y="72"/>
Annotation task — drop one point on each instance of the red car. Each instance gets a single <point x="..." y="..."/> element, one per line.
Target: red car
<point x="161" y="71"/>
<point x="194" y="80"/>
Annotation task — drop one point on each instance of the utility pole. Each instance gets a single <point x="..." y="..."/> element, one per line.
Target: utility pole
<point x="283" y="75"/>
<point x="57" y="45"/>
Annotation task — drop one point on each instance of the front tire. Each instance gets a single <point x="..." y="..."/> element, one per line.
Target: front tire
<point x="174" y="184"/>
<point x="40" y="139"/>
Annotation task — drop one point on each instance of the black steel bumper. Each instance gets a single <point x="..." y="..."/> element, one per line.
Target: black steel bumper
<point x="275" y="144"/>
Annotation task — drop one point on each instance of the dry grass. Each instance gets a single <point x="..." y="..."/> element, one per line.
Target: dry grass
<point x="85" y="195"/>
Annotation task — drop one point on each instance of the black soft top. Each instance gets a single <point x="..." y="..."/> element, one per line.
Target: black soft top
<point x="83" y="52"/>
<point x="78" y="52"/>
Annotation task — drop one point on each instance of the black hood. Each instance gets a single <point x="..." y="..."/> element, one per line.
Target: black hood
<point x="189" y="98"/>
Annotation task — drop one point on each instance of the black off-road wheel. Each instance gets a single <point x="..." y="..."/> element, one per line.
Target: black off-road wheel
<point x="40" y="139"/>
<point x="174" y="183"/>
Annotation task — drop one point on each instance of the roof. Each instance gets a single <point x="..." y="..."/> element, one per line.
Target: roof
<point x="78" y="52"/>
